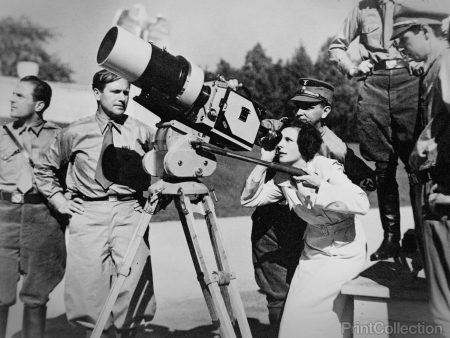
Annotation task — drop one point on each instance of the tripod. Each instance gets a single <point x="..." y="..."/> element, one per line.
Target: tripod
<point x="219" y="287"/>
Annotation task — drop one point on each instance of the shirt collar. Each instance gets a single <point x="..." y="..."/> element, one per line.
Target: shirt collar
<point x="35" y="127"/>
<point x="103" y="120"/>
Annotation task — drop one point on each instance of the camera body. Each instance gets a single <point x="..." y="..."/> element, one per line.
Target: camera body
<point x="174" y="89"/>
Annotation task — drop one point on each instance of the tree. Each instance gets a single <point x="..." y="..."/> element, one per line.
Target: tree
<point x="22" y="40"/>
<point x="261" y="77"/>
<point x="298" y="66"/>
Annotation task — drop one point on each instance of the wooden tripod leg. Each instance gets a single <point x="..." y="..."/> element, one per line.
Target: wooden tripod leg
<point x="123" y="272"/>
<point x="221" y="257"/>
<point x="210" y="288"/>
<point x="219" y="254"/>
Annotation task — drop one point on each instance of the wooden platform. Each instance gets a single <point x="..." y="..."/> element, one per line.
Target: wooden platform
<point x="374" y="288"/>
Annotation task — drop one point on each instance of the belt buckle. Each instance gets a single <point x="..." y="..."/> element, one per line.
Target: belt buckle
<point x="390" y="64"/>
<point x="17" y="198"/>
<point x="112" y="198"/>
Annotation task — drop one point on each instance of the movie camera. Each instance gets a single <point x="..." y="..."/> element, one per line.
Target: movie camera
<point x="198" y="119"/>
<point x="193" y="112"/>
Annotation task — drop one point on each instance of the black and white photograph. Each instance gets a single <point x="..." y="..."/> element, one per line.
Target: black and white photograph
<point x="233" y="169"/>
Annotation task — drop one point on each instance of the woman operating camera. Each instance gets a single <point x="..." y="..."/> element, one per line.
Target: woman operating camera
<point x="335" y="244"/>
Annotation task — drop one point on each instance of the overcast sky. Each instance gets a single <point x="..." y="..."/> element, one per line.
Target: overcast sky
<point x="201" y="30"/>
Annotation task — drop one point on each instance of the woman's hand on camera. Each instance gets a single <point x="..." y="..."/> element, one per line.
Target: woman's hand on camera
<point x="267" y="155"/>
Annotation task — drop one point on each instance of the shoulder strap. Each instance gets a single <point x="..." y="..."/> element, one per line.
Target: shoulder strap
<point x="21" y="148"/>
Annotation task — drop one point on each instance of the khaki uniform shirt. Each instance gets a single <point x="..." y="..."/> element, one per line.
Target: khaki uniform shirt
<point x="12" y="161"/>
<point x="332" y="146"/>
<point x="79" y="146"/>
<point x="366" y="22"/>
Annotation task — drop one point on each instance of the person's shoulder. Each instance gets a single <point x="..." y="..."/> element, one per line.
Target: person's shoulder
<point x="51" y="125"/>
<point x="324" y="163"/>
<point x="329" y="136"/>
<point x="80" y="125"/>
<point x="139" y="125"/>
<point x="325" y="166"/>
<point x="8" y="125"/>
<point x="136" y="122"/>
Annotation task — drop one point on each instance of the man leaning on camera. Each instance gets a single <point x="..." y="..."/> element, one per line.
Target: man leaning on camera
<point x="105" y="181"/>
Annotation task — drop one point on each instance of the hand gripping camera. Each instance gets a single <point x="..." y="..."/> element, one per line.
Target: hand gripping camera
<point x="190" y="109"/>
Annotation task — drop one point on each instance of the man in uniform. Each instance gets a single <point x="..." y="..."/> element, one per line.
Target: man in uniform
<point x="31" y="235"/>
<point x="105" y="181"/>
<point x="418" y="28"/>
<point x="386" y="111"/>
<point x="277" y="232"/>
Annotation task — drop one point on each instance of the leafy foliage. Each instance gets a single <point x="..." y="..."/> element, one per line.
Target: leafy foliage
<point x="22" y="40"/>
<point x="273" y="84"/>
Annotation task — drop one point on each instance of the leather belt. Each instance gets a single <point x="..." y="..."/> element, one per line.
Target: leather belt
<point x="18" y="198"/>
<point x="390" y="64"/>
<point x="110" y="198"/>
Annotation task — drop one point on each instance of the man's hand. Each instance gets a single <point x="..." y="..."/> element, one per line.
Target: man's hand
<point x="67" y="206"/>
<point x="273" y="124"/>
<point x="233" y="84"/>
<point x="365" y="67"/>
<point x="438" y="197"/>
<point x="415" y="68"/>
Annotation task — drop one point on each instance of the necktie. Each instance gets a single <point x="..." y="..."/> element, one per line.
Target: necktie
<point x="107" y="141"/>
<point x="388" y="23"/>
<point x="25" y="181"/>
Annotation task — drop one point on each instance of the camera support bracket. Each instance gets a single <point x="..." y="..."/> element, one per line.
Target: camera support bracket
<point x="219" y="287"/>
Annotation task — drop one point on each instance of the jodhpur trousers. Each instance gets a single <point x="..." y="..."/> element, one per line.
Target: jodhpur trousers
<point x="32" y="245"/>
<point x="98" y="240"/>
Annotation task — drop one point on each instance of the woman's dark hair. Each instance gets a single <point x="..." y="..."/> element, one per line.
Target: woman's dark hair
<point x="309" y="139"/>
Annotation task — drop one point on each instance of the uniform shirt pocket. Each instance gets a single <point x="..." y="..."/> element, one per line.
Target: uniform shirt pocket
<point x="8" y="154"/>
<point x="10" y="164"/>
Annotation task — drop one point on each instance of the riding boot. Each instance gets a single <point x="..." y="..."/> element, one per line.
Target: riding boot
<point x="33" y="325"/>
<point x="416" y="190"/>
<point x="389" y="206"/>
<point x="3" y="320"/>
<point x="275" y="314"/>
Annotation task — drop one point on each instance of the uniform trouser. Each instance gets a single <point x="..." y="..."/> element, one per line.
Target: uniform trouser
<point x="436" y="231"/>
<point x="98" y="240"/>
<point x="314" y="307"/>
<point x="387" y="125"/>
<point x="277" y="242"/>
<point x="31" y="244"/>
